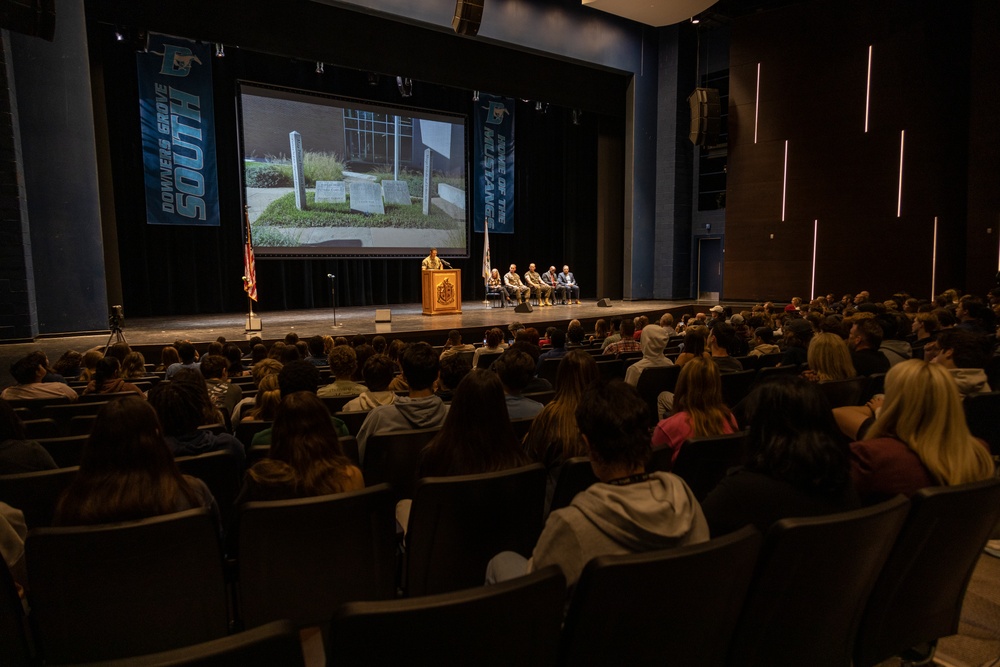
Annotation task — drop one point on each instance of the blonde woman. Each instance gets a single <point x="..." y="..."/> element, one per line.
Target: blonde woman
<point x="919" y="438"/>
<point x="266" y="400"/>
<point x="698" y="408"/>
<point x="829" y="359"/>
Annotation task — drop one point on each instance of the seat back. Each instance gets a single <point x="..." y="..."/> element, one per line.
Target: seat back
<point x="105" y="397"/>
<point x="543" y="397"/>
<point x="918" y="597"/>
<point x="276" y="643"/>
<point x="221" y="473"/>
<point x="486" y="360"/>
<point x="457" y="524"/>
<point x="655" y="380"/>
<point x="769" y="360"/>
<point x="575" y="475"/>
<point x="36" y="493"/>
<point x="547" y="370"/>
<point x="811" y="584"/>
<point x="17" y="650"/>
<point x="66" y="451"/>
<point x="619" y="616"/>
<point x="63" y="414"/>
<point x="123" y="589"/>
<point x="703" y="462"/>
<point x="521" y="426"/>
<point x="353" y="420"/>
<point x="36" y="407"/>
<point x="767" y="372"/>
<point x="40" y="428"/>
<point x="245" y="431"/>
<point x="611" y="369"/>
<point x="336" y="403"/>
<point x="394" y="458"/>
<point x="981" y="412"/>
<point x="736" y="386"/>
<point x="874" y="384"/>
<point x="512" y="623"/>
<point x="299" y="559"/>
<point x="844" y="392"/>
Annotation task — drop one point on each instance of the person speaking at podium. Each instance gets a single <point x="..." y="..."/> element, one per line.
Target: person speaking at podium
<point x="432" y="262"/>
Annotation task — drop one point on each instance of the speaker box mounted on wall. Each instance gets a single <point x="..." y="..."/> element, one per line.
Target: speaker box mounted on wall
<point x="468" y="16"/>
<point x="706" y="112"/>
<point x="31" y="17"/>
<point x="383" y="315"/>
<point x="604" y="303"/>
<point x="523" y="308"/>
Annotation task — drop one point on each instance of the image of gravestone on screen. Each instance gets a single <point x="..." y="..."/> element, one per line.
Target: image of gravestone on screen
<point x="326" y="176"/>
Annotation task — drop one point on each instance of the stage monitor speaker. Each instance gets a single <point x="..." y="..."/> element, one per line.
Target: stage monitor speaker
<point x="604" y="303"/>
<point x="383" y="315"/>
<point x="31" y="17"/>
<point x="468" y="16"/>
<point x="705" y="116"/>
<point x="523" y="308"/>
<point x="254" y="323"/>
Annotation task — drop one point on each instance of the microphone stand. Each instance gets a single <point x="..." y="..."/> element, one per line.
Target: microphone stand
<point x="333" y="293"/>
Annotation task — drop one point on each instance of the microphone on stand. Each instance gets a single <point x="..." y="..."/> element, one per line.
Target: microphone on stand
<point x="446" y="263"/>
<point x="330" y="275"/>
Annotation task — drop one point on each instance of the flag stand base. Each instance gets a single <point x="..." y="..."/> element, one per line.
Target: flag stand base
<point x="254" y="323"/>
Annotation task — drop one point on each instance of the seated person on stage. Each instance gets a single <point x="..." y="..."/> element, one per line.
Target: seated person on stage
<point x="29" y="373"/>
<point x="378" y="373"/>
<point x="421" y="409"/>
<point x="494" y="285"/>
<point x="454" y="345"/>
<point x="298" y="375"/>
<point x="188" y="357"/>
<point x="568" y="282"/>
<point x="538" y="286"/>
<point x="551" y="278"/>
<point x="181" y="407"/>
<point x="627" y="511"/>
<point x="432" y="261"/>
<point x="515" y="288"/>
<point x="224" y="394"/>
<point x="343" y="362"/>
<point x="516" y="369"/>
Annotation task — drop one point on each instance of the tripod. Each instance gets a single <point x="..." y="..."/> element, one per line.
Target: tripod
<point x="117" y="335"/>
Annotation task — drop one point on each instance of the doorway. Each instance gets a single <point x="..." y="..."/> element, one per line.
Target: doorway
<point x="709" y="269"/>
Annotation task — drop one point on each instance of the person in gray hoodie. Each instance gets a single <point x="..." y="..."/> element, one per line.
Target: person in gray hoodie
<point x="378" y="373"/>
<point x="653" y="341"/>
<point x="627" y="511"/>
<point x="421" y="409"/>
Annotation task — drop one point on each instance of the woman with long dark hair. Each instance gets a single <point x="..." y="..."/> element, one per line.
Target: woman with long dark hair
<point x="554" y="435"/>
<point x="795" y="463"/>
<point x="108" y="380"/>
<point x="305" y="459"/>
<point x="127" y="471"/>
<point x="476" y="436"/>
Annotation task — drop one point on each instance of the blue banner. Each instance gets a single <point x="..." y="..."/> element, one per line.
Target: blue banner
<point x="494" y="166"/>
<point x="177" y="115"/>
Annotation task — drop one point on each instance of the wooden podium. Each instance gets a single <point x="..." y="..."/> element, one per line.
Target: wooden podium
<point x="442" y="291"/>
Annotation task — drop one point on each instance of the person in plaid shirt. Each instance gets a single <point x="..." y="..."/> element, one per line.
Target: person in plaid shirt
<point x="627" y="343"/>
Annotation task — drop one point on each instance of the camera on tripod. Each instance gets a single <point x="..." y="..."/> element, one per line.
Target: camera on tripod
<point x="116" y="318"/>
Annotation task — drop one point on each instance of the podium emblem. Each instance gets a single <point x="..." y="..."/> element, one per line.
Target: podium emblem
<point x="445" y="292"/>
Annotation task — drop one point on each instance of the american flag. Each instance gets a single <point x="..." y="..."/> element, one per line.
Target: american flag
<point x="487" y="270"/>
<point x="249" y="266"/>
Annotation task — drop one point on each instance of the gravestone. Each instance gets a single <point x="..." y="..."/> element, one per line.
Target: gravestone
<point x="331" y="192"/>
<point x="427" y="181"/>
<point x="367" y="198"/>
<point x="396" y="192"/>
<point x="452" y="195"/>
<point x="298" y="170"/>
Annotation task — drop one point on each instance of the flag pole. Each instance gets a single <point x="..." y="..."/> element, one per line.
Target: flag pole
<point x="249" y="274"/>
<point x="486" y="262"/>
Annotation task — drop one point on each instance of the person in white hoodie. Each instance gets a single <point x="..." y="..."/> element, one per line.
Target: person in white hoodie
<point x="653" y="341"/>
<point x="627" y="511"/>
<point x="965" y="354"/>
<point x="378" y="373"/>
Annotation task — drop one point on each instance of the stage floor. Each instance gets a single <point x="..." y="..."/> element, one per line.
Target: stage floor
<point x="407" y="321"/>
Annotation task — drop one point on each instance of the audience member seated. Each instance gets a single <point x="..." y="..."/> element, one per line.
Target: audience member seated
<point x="168" y="357"/>
<point x="795" y="463"/>
<point x="258" y="372"/>
<point x="695" y="344"/>
<point x="625" y="341"/>
<point x="108" y="380"/>
<point x="895" y="328"/>
<point x="796" y="334"/>
<point x="234" y="361"/>
<point x="420" y="410"/>
<point x="865" y="338"/>
<point x="601" y="331"/>
<point x="17" y="454"/>
<point x="134" y="366"/>
<point x="628" y="511"/>
<point x="667" y="322"/>
<point x="964" y="354"/>
<point x="189" y="359"/>
<point x="69" y="364"/>
<point x="29" y="373"/>
<point x="223" y="393"/>
<point x="653" y="341"/>
<point x="697" y="407"/>
<point x="924" y="326"/>
<point x="453" y="368"/>
<point x="741" y="341"/>
<point x="574" y="336"/>
<point x="181" y="408"/>
<point x="265" y="401"/>
<point x="127" y="472"/>
<point x="343" y="362"/>
<point x="378" y="373"/>
<point x="919" y="439"/>
<point x="305" y="458"/>
<point x="763" y="342"/>
<point x="317" y="351"/>
<point x="614" y="335"/>
<point x="493" y="344"/>
<point x="721" y="338"/>
<point x="295" y="376"/>
<point x="516" y="368"/>
<point x="557" y="339"/>
<point x="829" y="359"/>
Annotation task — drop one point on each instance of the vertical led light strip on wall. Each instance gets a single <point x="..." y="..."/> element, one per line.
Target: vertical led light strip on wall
<point x="868" y="88"/>
<point x="756" y="106"/>
<point x="812" y="287"/>
<point x="899" y="200"/>
<point x="784" y="182"/>
<point x="934" y="261"/>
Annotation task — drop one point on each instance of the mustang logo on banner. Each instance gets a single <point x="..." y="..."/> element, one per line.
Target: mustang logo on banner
<point x="494" y="167"/>
<point x="177" y="115"/>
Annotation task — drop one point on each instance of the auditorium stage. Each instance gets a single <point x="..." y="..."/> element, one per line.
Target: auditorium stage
<point x="148" y="334"/>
